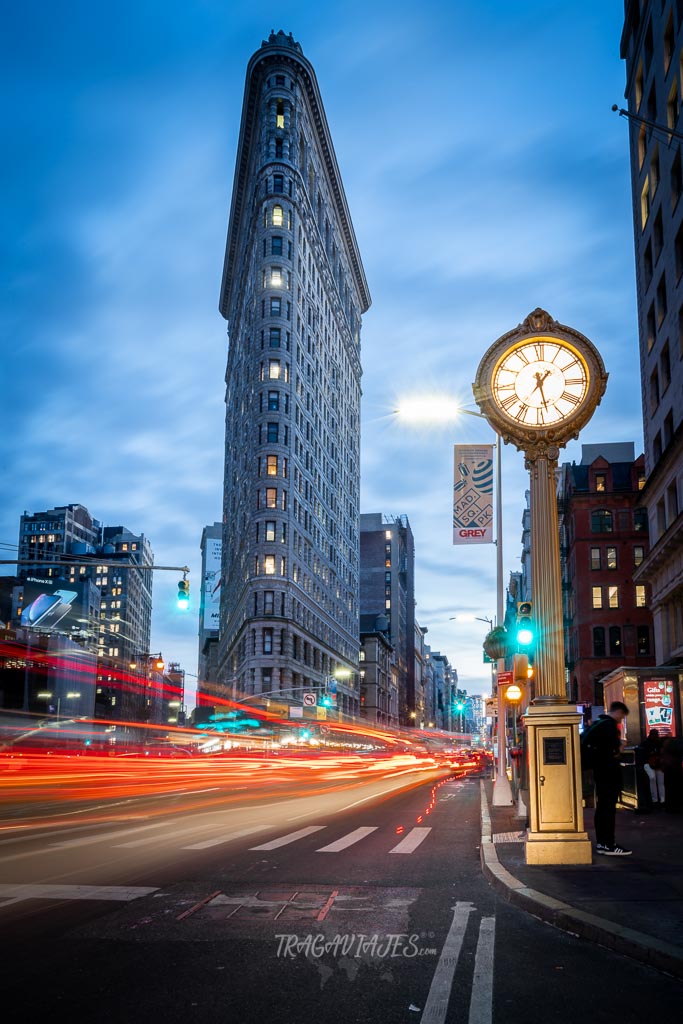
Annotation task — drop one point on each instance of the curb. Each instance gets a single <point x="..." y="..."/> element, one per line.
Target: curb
<point x="645" y="948"/>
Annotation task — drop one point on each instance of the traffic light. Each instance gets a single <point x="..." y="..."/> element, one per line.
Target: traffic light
<point x="184" y="594"/>
<point x="326" y="701"/>
<point x="525" y="626"/>
<point x="520" y="668"/>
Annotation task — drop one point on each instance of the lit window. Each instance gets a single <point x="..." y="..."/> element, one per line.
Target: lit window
<point x="601" y="521"/>
<point x="613" y="596"/>
<point x="596" y="561"/>
<point x="276" y="277"/>
<point x="271" y="497"/>
<point x="640" y="596"/>
<point x="274" y="369"/>
<point x="597" y="596"/>
<point x="280" y="114"/>
<point x="600" y="482"/>
<point x="271" y="469"/>
<point x="611" y="558"/>
<point x="277" y="216"/>
<point x="269" y="565"/>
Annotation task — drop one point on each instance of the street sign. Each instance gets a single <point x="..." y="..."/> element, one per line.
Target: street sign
<point x="295" y="712"/>
<point x="310" y="700"/>
<point x="505" y="678"/>
<point x="491" y="707"/>
<point x="322" y="713"/>
<point x="324" y="729"/>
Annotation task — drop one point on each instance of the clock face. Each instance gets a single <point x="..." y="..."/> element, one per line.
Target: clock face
<point x="540" y="382"/>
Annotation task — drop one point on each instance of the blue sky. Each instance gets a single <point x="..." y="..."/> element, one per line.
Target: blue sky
<point x="486" y="175"/>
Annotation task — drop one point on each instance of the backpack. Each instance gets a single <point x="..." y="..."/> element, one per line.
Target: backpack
<point x="588" y="751"/>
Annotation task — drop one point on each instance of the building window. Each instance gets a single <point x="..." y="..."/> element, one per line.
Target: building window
<point x="596" y="593"/>
<point x="275" y="306"/>
<point x="645" y="203"/>
<point x="643" y="641"/>
<point x="274" y="338"/>
<point x="673" y="105"/>
<point x="267" y="641"/>
<point x="279" y="114"/>
<point x="640" y="519"/>
<point x="270" y="529"/>
<point x="668" y="428"/>
<point x="601" y="521"/>
<point x="654" y="390"/>
<point x="600" y="482"/>
<point x="277" y="217"/>
<point x="638" y="554"/>
<point x="615" y="641"/>
<point x="661" y="300"/>
<point x="613" y="597"/>
<point x="276" y="277"/>
<point x="271" y="497"/>
<point x="269" y="565"/>
<point x="596" y="558"/>
<point x="276" y="245"/>
<point x="658" y="235"/>
<point x="640" y="596"/>
<point x="598" y="641"/>
<point x="611" y="558"/>
<point x="278" y="183"/>
<point x="665" y="366"/>
<point x="268" y="602"/>
<point x="274" y="369"/>
<point x="273" y="401"/>
<point x="278" y="149"/>
<point x="676" y="180"/>
<point x="650" y="327"/>
<point x="271" y="465"/>
<point x="273" y="433"/>
<point x="647" y="265"/>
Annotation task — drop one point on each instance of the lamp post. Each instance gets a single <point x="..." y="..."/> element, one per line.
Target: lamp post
<point x="435" y="410"/>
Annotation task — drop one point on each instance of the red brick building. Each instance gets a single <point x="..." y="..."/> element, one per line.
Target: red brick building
<point x="603" y="539"/>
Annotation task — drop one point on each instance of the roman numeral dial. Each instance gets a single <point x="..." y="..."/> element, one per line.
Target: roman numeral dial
<point x="540" y="382"/>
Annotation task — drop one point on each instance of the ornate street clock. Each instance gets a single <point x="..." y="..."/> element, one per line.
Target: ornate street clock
<point x="540" y="382"/>
<point x="538" y="386"/>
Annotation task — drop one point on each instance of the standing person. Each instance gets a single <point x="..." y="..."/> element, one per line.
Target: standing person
<point x="601" y="745"/>
<point x="652" y="751"/>
<point x="672" y="767"/>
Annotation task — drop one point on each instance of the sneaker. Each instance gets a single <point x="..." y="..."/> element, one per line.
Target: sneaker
<point x="613" y="851"/>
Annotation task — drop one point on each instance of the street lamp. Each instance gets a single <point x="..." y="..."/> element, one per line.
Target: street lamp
<point x="440" y="409"/>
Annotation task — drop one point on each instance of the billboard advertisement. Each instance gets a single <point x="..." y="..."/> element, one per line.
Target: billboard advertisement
<point x="211" y="584"/>
<point x="473" y="494"/>
<point x="658" y="697"/>
<point x="52" y="605"/>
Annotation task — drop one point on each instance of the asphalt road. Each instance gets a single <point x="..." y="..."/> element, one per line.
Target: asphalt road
<point x="356" y="905"/>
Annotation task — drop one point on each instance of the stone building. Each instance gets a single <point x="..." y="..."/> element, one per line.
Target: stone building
<point x="293" y="293"/>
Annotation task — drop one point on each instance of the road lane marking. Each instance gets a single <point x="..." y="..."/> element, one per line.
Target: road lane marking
<point x="481" y="1001"/>
<point x="348" y="840"/>
<point x="226" y="839"/>
<point x="411" y="842"/>
<point x="166" y="837"/>
<point x="375" y="796"/>
<point x="436" y="1007"/>
<point x="119" y="893"/>
<point x="104" y="836"/>
<point x="291" y="838"/>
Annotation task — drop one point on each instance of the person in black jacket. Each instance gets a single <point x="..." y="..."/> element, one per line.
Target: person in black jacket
<point x="604" y="738"/>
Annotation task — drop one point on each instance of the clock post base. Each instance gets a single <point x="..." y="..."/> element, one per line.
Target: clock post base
<point x="556" y="833"/>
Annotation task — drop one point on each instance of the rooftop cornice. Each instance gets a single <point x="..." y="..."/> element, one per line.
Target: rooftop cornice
<point x="281" y="49"/>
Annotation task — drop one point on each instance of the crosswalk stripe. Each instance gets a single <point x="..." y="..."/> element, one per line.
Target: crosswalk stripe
<point x="167" y="837"/>
<point x="411" y="842"/>
<point x="348" y="840"/>
<point x="207" y="843"/>
<point x="291" y="838"/>
<point x="103" y="836"/>
<point x="30" y="891"/>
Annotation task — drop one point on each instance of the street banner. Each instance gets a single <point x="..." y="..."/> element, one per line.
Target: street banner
<point x="473" y="494"/>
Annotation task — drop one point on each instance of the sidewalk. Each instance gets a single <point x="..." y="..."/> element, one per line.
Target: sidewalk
<point x="633" y="905"/>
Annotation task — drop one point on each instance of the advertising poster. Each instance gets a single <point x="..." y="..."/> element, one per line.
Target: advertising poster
<point x="658" y="697"/>
<point x="212" y="585"/>
<point x="473" y="494"/>
<point x="52" y="605"/>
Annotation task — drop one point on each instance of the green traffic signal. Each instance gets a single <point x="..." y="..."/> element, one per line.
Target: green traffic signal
<point x="184" y="594"/>
<point x="525" y="626"/>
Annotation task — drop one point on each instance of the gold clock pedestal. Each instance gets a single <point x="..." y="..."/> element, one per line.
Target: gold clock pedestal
<point x="556" y="834"/>
<point x="538" y="385"/>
